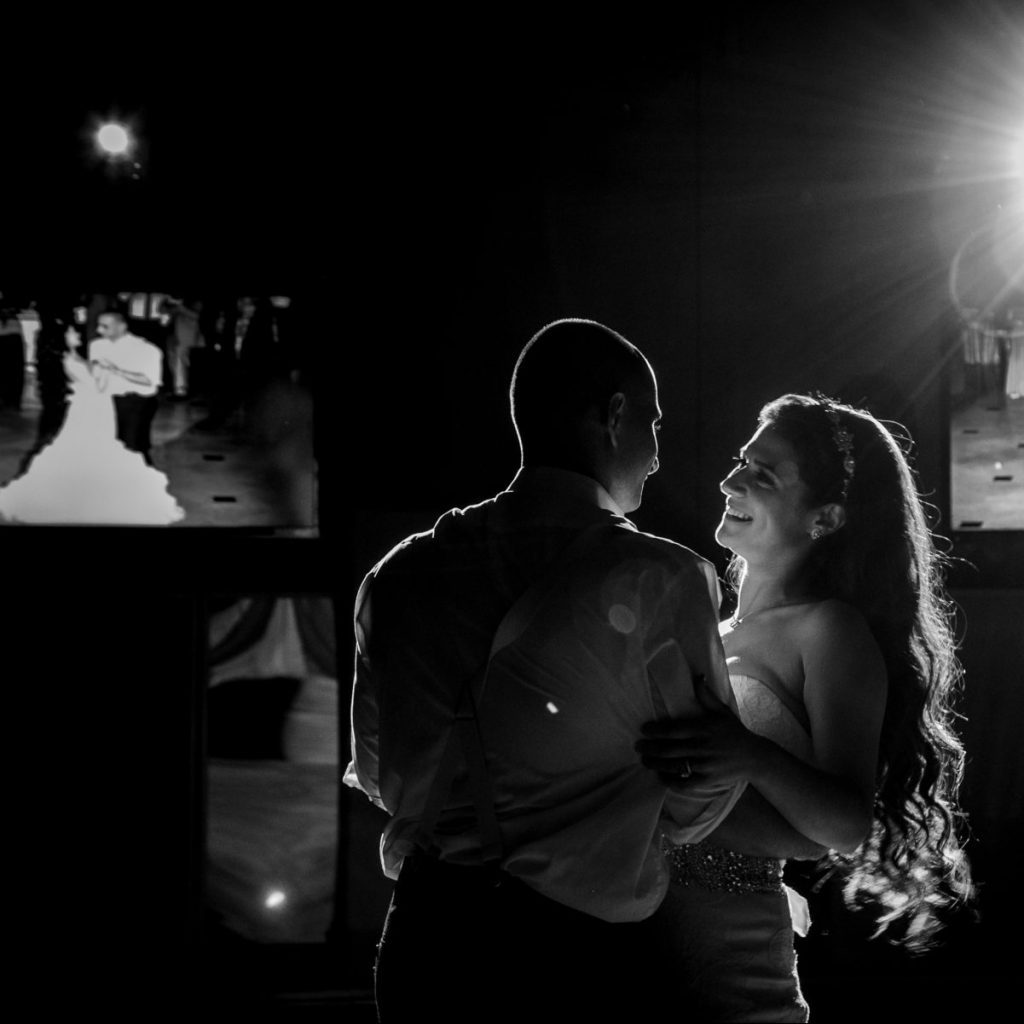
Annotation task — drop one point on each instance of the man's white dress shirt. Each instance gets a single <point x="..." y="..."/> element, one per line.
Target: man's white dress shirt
<point x="134" y="354"/>
<point x="612" y="646"/>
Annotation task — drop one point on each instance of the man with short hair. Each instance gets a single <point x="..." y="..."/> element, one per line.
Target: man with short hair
<point x="131" y="370"/>
<point x="506" y="663"/>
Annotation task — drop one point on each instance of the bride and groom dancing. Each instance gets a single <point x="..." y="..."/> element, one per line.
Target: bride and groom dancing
<point x="592" y="785"/>
<point x="97" y="469"/>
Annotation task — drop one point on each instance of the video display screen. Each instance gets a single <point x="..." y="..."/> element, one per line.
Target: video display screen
<point x="986" y="380"/>
<point x="155" y="409"/>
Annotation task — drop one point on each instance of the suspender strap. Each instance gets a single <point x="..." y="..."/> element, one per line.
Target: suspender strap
<point x="467" y="727"/>
<point x="465" y="736"/>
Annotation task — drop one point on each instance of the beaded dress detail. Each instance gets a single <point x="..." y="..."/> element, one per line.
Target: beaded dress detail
<point x="723" y="870"/>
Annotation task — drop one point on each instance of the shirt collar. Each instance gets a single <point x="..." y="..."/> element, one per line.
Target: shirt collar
<point x="563" y="485"/>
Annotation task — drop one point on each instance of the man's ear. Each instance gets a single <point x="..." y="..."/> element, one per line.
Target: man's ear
<point x="616" y="411"/>
<point x="829" y="518"/>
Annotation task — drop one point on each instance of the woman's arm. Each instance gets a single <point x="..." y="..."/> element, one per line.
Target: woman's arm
<point x="830" y="801"/>
<point x="755" y="828"/>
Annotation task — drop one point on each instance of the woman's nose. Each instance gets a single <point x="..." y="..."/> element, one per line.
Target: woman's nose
<point x="730" y="485"/>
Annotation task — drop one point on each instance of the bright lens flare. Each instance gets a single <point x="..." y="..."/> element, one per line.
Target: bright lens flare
<point x="113" y="139"/>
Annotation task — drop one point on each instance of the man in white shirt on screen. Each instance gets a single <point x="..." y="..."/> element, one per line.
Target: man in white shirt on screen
<point x="130" y="369"/>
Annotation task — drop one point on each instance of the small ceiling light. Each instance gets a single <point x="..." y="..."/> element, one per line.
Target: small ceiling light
<point x="113" y="139"/>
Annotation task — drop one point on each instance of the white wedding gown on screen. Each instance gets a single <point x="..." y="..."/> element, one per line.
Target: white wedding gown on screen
<point x="85" y="475"/>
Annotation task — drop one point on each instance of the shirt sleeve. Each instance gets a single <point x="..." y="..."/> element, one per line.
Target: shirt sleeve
<point x="683" y="643"/>
<point x="144" y="358"/>
<point x="363" y="772"/>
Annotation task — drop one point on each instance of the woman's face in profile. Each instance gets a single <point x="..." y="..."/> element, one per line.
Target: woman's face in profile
<point x="73" y="338"/>
<point x="767" y="510"/>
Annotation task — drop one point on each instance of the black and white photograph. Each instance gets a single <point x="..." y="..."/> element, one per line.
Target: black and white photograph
<point x="516" y="515"/>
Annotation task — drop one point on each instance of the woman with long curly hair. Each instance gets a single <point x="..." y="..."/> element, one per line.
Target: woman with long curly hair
<point x="843" y="664"/>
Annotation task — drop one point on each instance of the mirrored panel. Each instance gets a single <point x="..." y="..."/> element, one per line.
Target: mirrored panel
<point x="272" y="747"/>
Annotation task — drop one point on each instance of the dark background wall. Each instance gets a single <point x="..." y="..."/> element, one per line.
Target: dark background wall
<point x="766" y="202"/>
<point x="764" y="197"/>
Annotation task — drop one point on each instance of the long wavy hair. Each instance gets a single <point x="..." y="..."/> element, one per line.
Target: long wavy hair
<point x="884" y="561"/>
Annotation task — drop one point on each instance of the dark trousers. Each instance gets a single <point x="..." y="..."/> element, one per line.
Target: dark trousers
<point x="134" y="418"/>
<point x="465" y="944"/>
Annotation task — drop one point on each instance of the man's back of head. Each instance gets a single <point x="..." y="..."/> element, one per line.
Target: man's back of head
<point x="579" y="392"/>
<point x="566" y="369"/>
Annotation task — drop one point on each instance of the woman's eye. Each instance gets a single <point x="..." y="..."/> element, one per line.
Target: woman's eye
<point x="760" y="476"/>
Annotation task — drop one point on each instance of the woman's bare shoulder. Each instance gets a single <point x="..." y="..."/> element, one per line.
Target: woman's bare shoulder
<point x="831" y="613"/>
<point x="832" y="628"/>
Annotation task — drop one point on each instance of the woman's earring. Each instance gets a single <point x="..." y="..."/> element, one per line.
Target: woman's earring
<point x="817" y="533"/>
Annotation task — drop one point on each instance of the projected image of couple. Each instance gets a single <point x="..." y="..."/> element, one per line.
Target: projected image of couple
<point x="96" y="468"/>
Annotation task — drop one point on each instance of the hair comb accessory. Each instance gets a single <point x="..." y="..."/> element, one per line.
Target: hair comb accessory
<point x="844" y="445"/>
